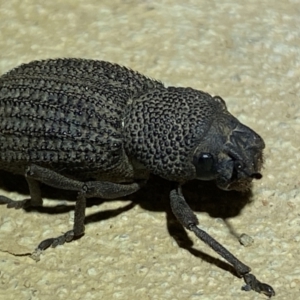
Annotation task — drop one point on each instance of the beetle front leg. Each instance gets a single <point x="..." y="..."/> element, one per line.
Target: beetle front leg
<point x="188" y="219"/>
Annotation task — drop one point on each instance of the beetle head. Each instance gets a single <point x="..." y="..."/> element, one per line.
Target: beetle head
<point x="236" y="157"/>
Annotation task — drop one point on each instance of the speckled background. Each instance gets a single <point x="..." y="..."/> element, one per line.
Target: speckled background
<point x="246" y="51"/>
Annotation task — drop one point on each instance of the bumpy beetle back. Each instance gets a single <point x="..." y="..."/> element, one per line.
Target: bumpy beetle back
<point x="66" y="112"/>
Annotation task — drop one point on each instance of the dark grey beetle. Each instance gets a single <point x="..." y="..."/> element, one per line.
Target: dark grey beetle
<point x="100" y="129"/>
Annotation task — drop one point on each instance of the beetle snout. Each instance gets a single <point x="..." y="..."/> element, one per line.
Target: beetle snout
<point x="256" y="175"/>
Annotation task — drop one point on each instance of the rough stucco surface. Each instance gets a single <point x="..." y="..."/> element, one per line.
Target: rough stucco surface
<point x="246" y="51"/>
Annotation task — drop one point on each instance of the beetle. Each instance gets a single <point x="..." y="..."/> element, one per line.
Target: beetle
<point x="101" y="129"/>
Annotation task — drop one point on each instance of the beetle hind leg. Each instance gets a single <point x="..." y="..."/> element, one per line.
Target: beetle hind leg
<point x="34" y="200"/>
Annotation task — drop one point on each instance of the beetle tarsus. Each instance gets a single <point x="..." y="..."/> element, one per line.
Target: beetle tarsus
<point x="15" y="204"/>
<point x="53" y="242"/>
<point x="254" y="284"/>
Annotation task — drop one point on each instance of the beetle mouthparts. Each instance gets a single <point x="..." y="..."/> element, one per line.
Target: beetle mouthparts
<point x="256" y="176"/>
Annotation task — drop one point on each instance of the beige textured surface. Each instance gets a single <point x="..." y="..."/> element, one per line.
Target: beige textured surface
<point x="246" y="51"/>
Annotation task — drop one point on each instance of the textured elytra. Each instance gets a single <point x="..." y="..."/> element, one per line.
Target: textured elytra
<point x="67" y="114"/>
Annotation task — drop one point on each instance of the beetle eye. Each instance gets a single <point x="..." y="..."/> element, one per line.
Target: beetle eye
<point x="205" y="166"/>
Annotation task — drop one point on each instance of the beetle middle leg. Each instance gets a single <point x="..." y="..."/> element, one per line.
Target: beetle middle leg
<point x="188" y="219"/>
<point x="103" y="189"/>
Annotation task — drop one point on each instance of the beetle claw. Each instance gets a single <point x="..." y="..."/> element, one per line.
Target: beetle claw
<point x="253" y="284"/>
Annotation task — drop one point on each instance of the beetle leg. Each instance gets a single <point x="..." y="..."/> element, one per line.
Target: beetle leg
<point x="103" y="189"/>
<point x="10" y="203"/>
<point x="188" y="219"/>
<point x="35" y="197"/>
<point x="253" y="284"/>
<point x="76" y="232"/>
<point x="52" y="178"/>
<point x="35" y="192"/>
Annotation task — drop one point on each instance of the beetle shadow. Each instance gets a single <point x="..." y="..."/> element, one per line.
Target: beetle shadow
<point x="201" y="197"/>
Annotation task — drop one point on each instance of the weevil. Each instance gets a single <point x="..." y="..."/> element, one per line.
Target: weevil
<point x="101" y="129"/>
